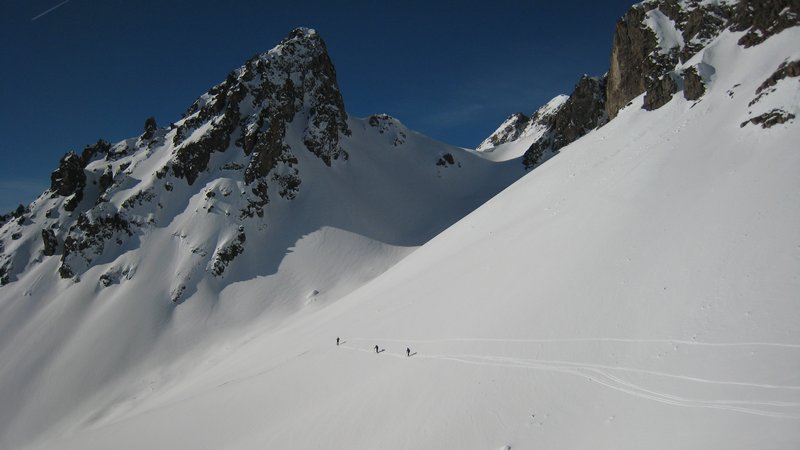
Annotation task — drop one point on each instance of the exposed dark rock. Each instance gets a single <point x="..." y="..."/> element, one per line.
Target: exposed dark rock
<point x="288" y="184"/>
<point x="763" y="19"/>
<point x="87" y="238"/>
<point x="140" y="198"/>
<point x="150" y="128"/>
<point x="388" y="125"/>
<point x="791" y="69"/>
<point x="446" y="160"/>
<point x="639" y="65"/>
<point x="659" y="93"/>
<point x="177" y="294"/>
<point x="584" y="111"/>
<point x="50" y="242"/>
<point x="228" y="253"/>
<point x="768" y="119"/>
<point x="255" y="205"/>
<point x="69" y="177"/>
<point x="90" y="152"/>
<point x="698" y="23"/>
<point x="4" y="273"/>
<point x="510" y="130"/>
<point x="631" y="60"/>
<point x="693" y="86"/>
<point x="105" y="181"/>
<point x="19" y="211"/>
<point x="192" y="158"/>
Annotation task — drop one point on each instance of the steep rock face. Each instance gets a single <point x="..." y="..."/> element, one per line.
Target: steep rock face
<point x="583" y="111"/>
<point x="631" y="61"/>
<point x="653" y="45"/>
<point x="654" y="37"/>
<point x="651" y="39"/>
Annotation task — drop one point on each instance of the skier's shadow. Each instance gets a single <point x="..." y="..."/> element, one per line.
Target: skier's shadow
<point x="412" y="354"/>
<point x="381" y="350"/>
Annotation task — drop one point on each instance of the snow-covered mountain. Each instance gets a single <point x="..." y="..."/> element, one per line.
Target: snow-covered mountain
<point x="265" y="200"/>
<point x="637" y="290"/>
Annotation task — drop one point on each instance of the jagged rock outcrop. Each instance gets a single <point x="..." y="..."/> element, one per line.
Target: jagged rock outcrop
<point x="583" y="111"/>
<point x="659" y="92"/>
<point x="150" y="128"/>
<point x="386" y="124"/>
<point x="518" y="126"/>
<point x="87" y="240"/>
<point x="764" y="18"/>
<point x="643" y="60"/>
<point x="693" y="85"/>
<point x="770" y="118"/>
<point x="69" y="180"/>
<point x="786" y="69"/>
<point x="631" y="60"/>
<point x="225" y="254"/>
<point x="510" y="130"/>
<point x="50" y="242"/>
<point x="296" y="79"/>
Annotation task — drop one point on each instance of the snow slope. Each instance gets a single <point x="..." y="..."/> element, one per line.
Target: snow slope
<point x="172" y="251"/>
<point x="638" y="290"/>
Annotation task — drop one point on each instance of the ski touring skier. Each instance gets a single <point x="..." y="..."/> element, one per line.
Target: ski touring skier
<point x="408" y="351"/>
<point x="376" y="349"/>
<point x="337" y="341"/>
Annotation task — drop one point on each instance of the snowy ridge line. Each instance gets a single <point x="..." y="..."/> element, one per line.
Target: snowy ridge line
<point x="566" y="340"/>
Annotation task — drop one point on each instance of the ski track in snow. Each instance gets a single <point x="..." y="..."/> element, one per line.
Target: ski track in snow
<point x="602" y="374"/>
<point x="567" y="340"/>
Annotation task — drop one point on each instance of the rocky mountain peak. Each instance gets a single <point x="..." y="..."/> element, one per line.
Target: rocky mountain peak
<point x="250" y="129"/>
<point x="258" y="101"/>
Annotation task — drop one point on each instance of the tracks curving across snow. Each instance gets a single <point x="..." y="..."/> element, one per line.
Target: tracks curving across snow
<point x="747" y="396"/>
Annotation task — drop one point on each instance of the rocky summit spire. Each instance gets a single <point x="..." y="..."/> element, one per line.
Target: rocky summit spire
<point x="257" y="101"/>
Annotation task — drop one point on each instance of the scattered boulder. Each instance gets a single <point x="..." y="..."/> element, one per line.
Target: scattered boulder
<point x="693" y="86"/>
<point x="786" y="69"/>
<point x="50" y="242"/>
<point x="659" y="93"/>
<point x="770" y="118"/>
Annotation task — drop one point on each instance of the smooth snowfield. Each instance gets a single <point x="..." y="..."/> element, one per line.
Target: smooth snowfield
<point x="639" y="290"/>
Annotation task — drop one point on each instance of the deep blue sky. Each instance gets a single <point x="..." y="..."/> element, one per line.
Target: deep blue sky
<point x="452" y="70"/>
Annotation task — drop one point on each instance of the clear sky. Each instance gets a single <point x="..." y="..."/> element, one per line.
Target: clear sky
<point x="78" y="70"/>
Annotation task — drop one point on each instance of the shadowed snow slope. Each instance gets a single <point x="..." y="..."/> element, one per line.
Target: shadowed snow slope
<point x="639" y="290"/>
